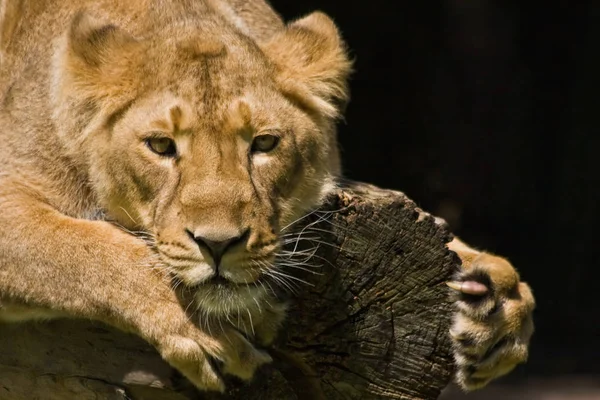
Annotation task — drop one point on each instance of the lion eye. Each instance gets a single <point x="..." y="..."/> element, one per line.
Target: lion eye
<point x="264" y="143"/>
<point x="163" y="146"/>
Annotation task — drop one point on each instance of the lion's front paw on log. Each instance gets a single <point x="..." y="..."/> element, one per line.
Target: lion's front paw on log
<point x="203" y="358"/>
<point x="493" y="322"/>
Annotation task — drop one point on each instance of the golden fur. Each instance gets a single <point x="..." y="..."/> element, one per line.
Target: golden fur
<point x="94" y="222"/>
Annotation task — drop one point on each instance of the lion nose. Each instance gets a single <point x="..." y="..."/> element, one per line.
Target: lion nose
<point x="217" y="243"/>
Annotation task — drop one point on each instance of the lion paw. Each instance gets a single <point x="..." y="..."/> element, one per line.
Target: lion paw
<point x="202" y="358"/>
<point x="241" y="358"/>
<point x="493" y="324"/>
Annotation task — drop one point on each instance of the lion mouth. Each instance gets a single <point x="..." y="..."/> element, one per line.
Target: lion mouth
<point x="221" y="281"/>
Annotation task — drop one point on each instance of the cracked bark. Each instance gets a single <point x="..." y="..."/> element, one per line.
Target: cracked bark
<point x="371" y="324"/>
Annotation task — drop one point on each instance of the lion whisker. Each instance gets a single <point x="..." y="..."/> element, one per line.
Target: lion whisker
<point x="315" y="211"/>
<point x="288" y="276"/>
<point x="250" y="321"/>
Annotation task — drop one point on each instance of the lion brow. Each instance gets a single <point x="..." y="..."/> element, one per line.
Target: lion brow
<point x="173" y="121"/>
<point x="176" y="114"/>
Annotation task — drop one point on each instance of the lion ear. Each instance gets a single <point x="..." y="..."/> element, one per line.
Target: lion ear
<point x="312" y="63"/>
<point x="95" y="42"/>
<point x="96" y="58"/>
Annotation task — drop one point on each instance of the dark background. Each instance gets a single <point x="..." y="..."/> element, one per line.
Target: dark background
<point x="486" y="113"/>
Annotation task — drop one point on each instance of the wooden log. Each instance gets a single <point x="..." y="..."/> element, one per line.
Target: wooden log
<point x="370" y="322"/>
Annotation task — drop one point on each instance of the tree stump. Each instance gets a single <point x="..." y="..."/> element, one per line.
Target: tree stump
<point x="369" y="321"/>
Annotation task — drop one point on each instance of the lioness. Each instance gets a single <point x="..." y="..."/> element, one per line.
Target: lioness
<point x="148" y="142"/>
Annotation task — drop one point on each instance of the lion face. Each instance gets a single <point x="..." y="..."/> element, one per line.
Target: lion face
<point x="208" y="141"/>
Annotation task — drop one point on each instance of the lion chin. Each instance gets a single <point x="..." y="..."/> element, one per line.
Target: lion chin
<point x="226" y="291"/>
<point x="220" y="297"/>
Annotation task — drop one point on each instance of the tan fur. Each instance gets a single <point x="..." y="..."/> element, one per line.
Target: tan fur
<point x="93" y="224"/>
<point x="490" y="332"/>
